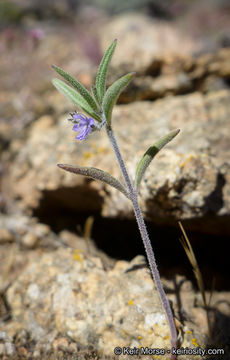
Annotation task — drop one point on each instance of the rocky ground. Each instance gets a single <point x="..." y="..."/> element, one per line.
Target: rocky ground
<point x="74" y="289"/>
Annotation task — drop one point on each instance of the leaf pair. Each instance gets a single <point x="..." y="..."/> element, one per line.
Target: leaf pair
<point x="101" y="102"/>
<point x="108" y="98"/>
<point x="81" y="97"/>
<point x="98" y="174"/>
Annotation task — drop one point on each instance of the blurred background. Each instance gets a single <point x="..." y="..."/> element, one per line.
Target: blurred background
<point x="180" y="51"/>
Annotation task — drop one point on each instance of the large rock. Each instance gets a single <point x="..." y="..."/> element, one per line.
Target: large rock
<point x="188" y="180"/>
<point x="70" y="294"/>
<point x="173" y="74"/>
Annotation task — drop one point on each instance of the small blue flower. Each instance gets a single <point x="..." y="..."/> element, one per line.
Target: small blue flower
<point x="82" y="124"/>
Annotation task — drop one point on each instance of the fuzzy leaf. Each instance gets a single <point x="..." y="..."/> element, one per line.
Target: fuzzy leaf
<point x="102" y="71"/>
<point x="150" y="154"/>
<point x="75" y="98"/>
<point x="113" y="93"/>
<point x="78" y="86"/>
<point x="96" y="174"/>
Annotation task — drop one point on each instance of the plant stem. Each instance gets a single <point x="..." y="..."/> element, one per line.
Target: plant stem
<point x="145" y="237"/>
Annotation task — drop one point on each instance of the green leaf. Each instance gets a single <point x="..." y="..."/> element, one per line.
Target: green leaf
<point x="74" y="97"/>
<point x="78" y="86"/>
<point x="96" y="174"/>
<point x="102" y="71"/>
<point x="150" y="154"/>
<point x="113" y="93"/>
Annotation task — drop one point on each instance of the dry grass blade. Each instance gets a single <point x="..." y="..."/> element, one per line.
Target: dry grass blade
<point x="192" y="258"/>
<point x="88" y="227"/>
<point x="212" y="291"/>
<point x="88" y="231"/>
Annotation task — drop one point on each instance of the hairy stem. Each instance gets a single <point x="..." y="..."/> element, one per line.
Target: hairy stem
<point x="145" y="237"/>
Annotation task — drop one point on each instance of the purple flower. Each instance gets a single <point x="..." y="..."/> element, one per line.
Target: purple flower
<point x="82" y="124"/>
<point x="36" y="34"/>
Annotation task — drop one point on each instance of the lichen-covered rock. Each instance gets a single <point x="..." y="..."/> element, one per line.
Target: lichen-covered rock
<point x="23" y="237"/>
<point x="25" y="233"/>
<point x="174" y="74"/>
<point x="73" y="295"/>
<point x="7" y="346"/>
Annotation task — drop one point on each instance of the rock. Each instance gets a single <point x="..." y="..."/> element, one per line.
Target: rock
<point x="84" y="244"/>
<point x="5" y="236"/>
<point x="148" y="88"/>
<point x="174" y="74"/>
<point x="18" y="235"/>
<point x="7" y="346"/>
<point x="61" y="344"/>
<point x="188" y="180"/>
<point x="142" y="38"/>
<point x="82" y="300"/>
<point x="26" y="231"/>
<point x="29" y="241"/>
